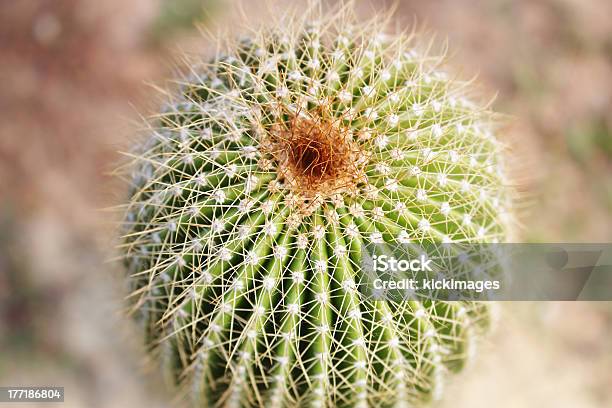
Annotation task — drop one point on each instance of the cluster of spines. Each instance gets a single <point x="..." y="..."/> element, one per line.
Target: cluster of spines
<point x="253" y="301"/>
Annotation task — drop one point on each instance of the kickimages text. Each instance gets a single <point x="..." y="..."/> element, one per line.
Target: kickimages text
<point x="478" y="286"/>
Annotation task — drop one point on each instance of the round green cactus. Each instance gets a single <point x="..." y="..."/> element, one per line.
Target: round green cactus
<point x="269" y="169"/>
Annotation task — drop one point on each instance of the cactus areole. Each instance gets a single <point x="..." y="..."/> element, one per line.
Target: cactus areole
<point x="269" y="170"/>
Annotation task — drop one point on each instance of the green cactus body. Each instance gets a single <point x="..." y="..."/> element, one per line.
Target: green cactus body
<point x="267" y="172"/>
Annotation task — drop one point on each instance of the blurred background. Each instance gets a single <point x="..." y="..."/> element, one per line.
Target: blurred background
<point x="73" y="80"/>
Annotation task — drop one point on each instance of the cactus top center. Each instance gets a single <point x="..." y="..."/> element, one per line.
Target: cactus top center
<point x="311" y="151"/>
<point x="316" y="158"/>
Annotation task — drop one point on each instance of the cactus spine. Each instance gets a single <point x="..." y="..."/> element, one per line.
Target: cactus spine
<point x="269" y="168"/>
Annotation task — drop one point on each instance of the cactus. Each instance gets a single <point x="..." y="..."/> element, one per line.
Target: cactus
<point x="270" y="167"/>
